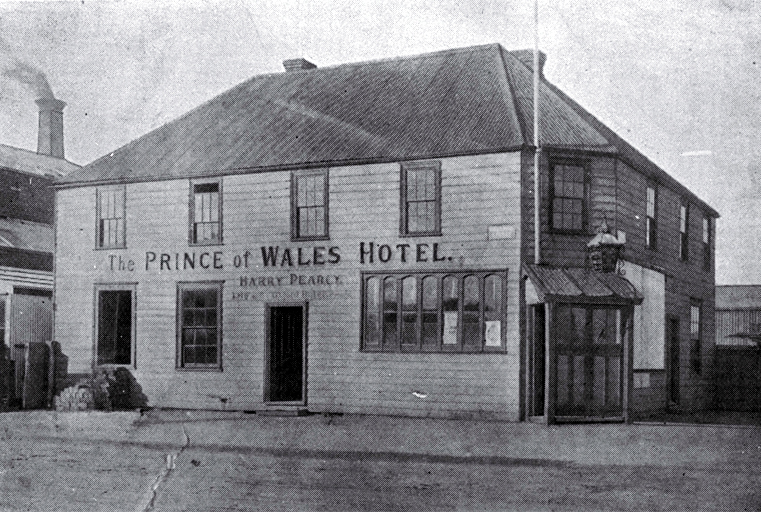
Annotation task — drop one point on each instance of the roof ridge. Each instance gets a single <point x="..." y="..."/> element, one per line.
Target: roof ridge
<point x="511" y="91"/>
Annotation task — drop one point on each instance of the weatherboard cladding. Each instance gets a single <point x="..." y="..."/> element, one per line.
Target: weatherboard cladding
<point x="473" y="100"/>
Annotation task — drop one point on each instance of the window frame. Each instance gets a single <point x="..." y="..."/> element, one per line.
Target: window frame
<point x="651" y="222"/>
<point x="405" y="167"/>
<point x="98" y="229"/>
<point x="183" y="286"/>
<point x="192" y="210"/>
<point x="707" y="236"/>
<point x="439" y="347"/>
<point x="696" y="336"/>
<point x="119" y="287"/>
<point x="586" y="199"/>
<point x="684" y="231"/>
<point x="296" y="235"/>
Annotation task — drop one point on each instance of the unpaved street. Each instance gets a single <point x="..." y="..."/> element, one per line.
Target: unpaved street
<point x="229" y="461"/>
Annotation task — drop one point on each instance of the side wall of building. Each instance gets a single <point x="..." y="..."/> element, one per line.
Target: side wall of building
<point x="479" y="230"/>
<point x="618" y="195"/>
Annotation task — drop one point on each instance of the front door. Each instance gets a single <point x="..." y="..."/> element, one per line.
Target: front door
<point x="588" y="362"/>
<point x="285" y="355"/>
<point x="673" y="361"/>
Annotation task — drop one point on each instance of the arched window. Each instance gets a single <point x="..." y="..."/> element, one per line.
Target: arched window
<point x="372" y="313"/>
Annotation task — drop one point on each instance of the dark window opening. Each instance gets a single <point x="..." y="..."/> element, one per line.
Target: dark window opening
<point x="696" y="334"/>
<point x="684" y="225"/>
<point x="651" y="230"/>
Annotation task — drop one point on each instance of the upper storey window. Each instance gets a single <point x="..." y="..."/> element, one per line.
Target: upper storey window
<point x="206" y="214"/>
<point x="110" y="214"/>
<point x="569" y="197"/>
<point x="309" y="205"/>
<point x="684" y="225"/>
<point x="706" y="243"/>
<point x="421" y="198"/>
<point x="651" y="233"/>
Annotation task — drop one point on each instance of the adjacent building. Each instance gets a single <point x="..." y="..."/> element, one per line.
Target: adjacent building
<point x="360" y="239"/>
<point x="26" y="259"/>
<point x="738" y="347"/>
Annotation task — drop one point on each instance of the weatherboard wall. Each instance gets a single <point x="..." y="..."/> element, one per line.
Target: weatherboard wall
<point x="618" y="195"/>
<point x="480" y="225"/>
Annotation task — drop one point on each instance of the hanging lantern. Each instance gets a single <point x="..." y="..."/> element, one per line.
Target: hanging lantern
<point x="604" y="250"/>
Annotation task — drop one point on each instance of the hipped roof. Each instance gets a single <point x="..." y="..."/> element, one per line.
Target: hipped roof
<point x="581" y="285"/>
<point x="473" y="100"/>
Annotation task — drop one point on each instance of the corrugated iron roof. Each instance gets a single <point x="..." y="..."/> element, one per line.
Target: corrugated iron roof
<point x="463" y="101"/>
<point x="33" y="163"/>
<point x="27" y="235"/>
<point x="746" y="296"/>
<point x="581" y="285"/>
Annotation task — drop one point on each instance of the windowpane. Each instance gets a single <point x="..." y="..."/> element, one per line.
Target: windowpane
<point x="420" y="200"/>
<point x="390" y="311"/>
<point x="450" y="305"/>
<point x="424" y="312"/>
<point x="206" y="221"/>
<point x="372" y="318"/>
<point x="471" y="331"/>
<point x="409" y="310"/>
<point x="110" y="211"/>
<point x="568" y="197"/>
<point x="430" y="321"/>
<point x="706" y="230"/>
<point x="200" y="323"/>
<point x="310" y="205"/>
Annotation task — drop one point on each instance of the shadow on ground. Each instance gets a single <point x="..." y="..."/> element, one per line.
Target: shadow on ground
<point x="708" y="418"/>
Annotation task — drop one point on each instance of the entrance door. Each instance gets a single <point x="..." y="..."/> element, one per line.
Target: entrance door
<point x="285" y="355"/>
<point x="673" y="361"/>
<point x="536" y="361"/>
<point x="588" y="362"/>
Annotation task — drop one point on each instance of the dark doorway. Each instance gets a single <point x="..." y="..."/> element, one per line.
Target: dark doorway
<point x="114" y="327"/>
<point x="673" y="361"/>
<point x="285" y="380"/>
<point x="537" y="360"/>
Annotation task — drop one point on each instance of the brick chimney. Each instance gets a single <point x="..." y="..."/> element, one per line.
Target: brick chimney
<point x="297" y="65"/>
<point x="50" y="131"/>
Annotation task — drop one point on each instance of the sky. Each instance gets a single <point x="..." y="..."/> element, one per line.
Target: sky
<point x="680" y="80"/>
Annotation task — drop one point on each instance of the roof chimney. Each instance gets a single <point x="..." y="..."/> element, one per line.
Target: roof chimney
<point x="297" y="65"/>
<point x="50" y="132"/>
<point x="527" y="58"/>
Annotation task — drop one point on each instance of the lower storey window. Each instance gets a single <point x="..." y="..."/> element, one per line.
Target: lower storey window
<point x="200" y="325"/>
<point x="115" y="324"/>
<point x="434" y="312"/>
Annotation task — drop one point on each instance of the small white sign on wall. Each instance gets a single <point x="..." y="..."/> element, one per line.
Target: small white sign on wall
<point x="493" y="333"/>
<point x="501" y="232"/>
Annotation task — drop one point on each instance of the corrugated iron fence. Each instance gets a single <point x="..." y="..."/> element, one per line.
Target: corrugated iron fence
<point x="738" y="378"/>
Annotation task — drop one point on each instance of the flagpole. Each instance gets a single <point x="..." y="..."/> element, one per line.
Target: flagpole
<point x="538" y="149"/>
